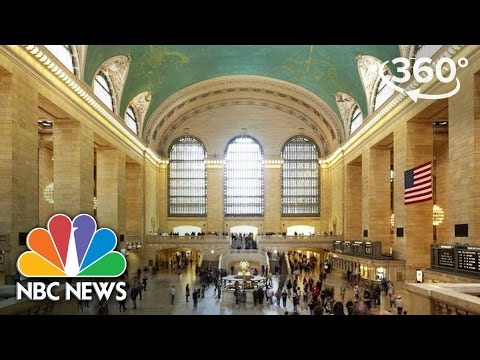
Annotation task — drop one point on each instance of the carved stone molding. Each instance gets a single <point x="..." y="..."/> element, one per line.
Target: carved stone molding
<point x="254" y="88"/>
<point x="141" y="103"/>
<point x="165" y="140"/>
<point x="80" y="54"/>
<point x="407" y="51"/>
<point x="116" y="69"/>
<point x="368" y="69"/>
<point x="346" y="104"/>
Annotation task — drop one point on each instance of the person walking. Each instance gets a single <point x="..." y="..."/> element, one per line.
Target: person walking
<point x="195" y="298"/>
<point x="187" y="292"/>
<point x="139" y="289"/>
<point x="133" y="296"/>
<point x="172" y="292"/>
<point x="399" y="305"/>
<point x="144" y="281"/>
<point x="284" y="298"/>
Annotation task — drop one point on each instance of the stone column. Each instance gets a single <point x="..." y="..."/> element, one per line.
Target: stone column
<point x="337" y="189"/>
<point x="134" y="199"/>
<point x="376" y="195"/>
<point x="215" y="198"/>
<point x="156" y="197"/>
<point x="413" y="145"/>
<point x="464" y="158"/>
<point x="272" y="196"/>
<point x="353" y="202"/>
<point x="325" y="202"/>
<point x="111" y="189"/>
<point x="73" y="168"/>
<point x="18" y="166"/>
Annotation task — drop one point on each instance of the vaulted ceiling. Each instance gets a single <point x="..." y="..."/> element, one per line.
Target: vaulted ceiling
<point x="163" y="70"/>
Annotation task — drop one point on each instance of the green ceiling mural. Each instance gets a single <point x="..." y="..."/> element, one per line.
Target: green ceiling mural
<point x="165" y="69"/>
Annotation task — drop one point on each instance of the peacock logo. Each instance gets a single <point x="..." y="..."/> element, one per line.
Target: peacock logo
<point x="71" y="249"/>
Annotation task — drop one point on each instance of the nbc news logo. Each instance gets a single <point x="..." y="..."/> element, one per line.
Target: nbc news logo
<point x="71" y="249"/>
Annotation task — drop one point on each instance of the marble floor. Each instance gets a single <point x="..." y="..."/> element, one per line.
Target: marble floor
<point x="156" y="300"/>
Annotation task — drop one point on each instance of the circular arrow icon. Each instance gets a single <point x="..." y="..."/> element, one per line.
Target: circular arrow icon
<point x="415" y="94"/>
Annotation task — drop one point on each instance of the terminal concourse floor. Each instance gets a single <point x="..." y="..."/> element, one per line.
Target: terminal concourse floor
<point x="156" y="300"/>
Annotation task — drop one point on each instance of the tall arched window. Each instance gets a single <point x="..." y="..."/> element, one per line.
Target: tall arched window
<point x="356" y="119"/>
<point x="131" y="120"/>
<point x="187" y="178"/>
<point x="64" y="54"/>
<point x="300" y="193"/>
<point x="243" y="177"/>
<point x="382" y="93"/>
<point x="102" y="90"/>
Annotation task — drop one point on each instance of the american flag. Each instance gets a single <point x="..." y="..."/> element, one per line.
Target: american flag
<point x="418" y="184"/>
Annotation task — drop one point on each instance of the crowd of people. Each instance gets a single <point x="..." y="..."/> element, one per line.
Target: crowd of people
<point x="300" y="289"/>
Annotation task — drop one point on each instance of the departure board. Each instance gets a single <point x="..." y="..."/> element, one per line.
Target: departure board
<point x="371" y="249"/>
<point x="368" y="248"/>
<point x="468" y="258"/>
<point x="446" y="257"/>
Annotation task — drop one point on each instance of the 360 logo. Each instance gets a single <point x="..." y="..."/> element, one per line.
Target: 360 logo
<point x="423" y="71"/>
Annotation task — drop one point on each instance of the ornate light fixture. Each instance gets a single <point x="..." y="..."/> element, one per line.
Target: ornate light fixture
<point x="48" y="193"/>
<point x="438" y="215"/>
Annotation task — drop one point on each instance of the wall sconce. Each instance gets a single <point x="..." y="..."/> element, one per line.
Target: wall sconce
<point x="138" y="245"/>
<point x="212" y="251"/>
<point x="129" y="246"/>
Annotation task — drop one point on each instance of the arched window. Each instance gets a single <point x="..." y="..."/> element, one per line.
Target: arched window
<point x="382" y="93"/>
<point x="356" y="119"/>
<point x="102" y="90"/>
<point x="426" y="50"/>
<point x="187" y="178"/>
<point x="64" y="54"/>
<point x="243" y="178"/>
<point x="131" y="120"/>
<point x="300" y="193"/>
